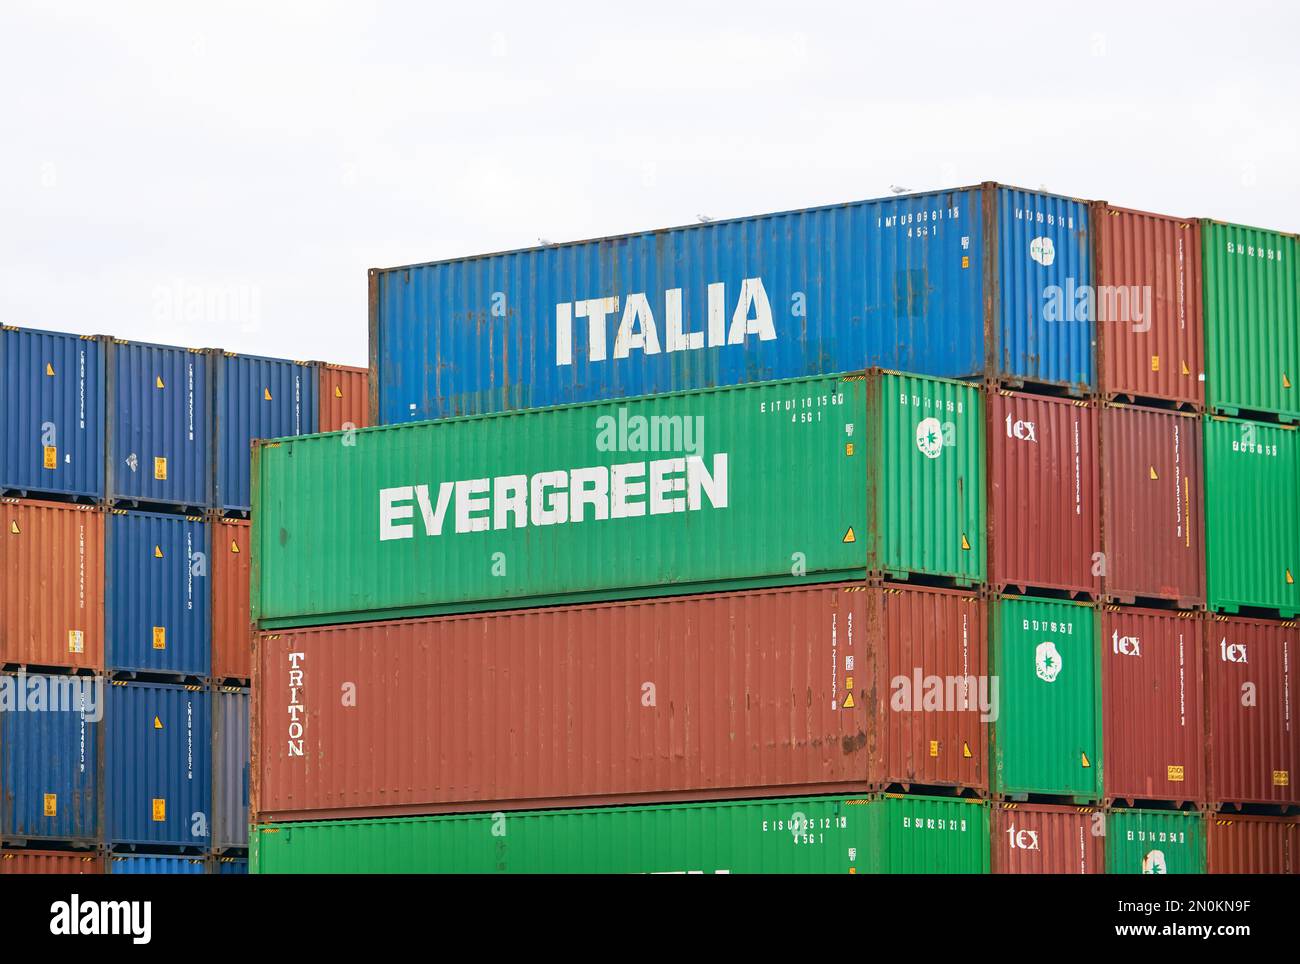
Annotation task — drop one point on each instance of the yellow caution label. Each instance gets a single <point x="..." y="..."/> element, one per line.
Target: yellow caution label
<point x="1186" y="370"/>
<point x="965" y="261"/>
<point x="848" y="702"/>
<point x="51" y="457"/>
<point x="965" y="750"/>
<point x="965" y="543"/>
<point x="338" y="392"/>
<point x="49" y="369"/>
<point x="76" y="641"/>
<point x="157" y="723"/>
<point x="848" y="448"/>
<point x="849" y="536"/>
<point x="1086" y="763"/>
<point x="1174" y="773"/>
<point x="234" y="546"/>
<point x="158" y="382"/>
<point x="1154" y="477"/>
<point x="160" y="637"/>
<point x="1286" y="382"/>
<point x="51" y="804"/>
<point x="1155" y="363"/>
<point x="934" y="748"/>
<point x="848" y="682"/>
<point x="13" y="527"/>
<point x="160" y="468"/>
<point x="1281" y="778"/>
<point x="159" y="810"/>
<point x="266" y="395"/>
<point x="1289" y="580"/>
<point x="157" y="552"/>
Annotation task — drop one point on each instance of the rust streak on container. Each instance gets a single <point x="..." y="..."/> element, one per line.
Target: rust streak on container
<point x="1252" y="845"/>
<point x="231" y="632"/>
<point x="344" y="397"/>
<point x="49" y="862"/>
<point x="1034" y="839"/>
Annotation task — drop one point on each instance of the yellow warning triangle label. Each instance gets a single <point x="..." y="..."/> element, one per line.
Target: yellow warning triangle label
<point x="157" y="723"/>
<point x="965" y="750"/>
<point x="49" y="369"/>
<point x="848" y="702"/>
<point x="158" y="382"/>
<point x="1186" y="370"/>
<point x="849" y="536"/>
<point x="338" y="392"/>
<point x="13" y="527"/>
<point x="266" y="394"/>
<point x="234" y="546"/>
<point x="1289" y="580"/>
<point x="1153" y="473"/>
<point x="965" y="543"/>
<point x="157" y="552"/>
<point x="1086" y="764"/>
<point x="1286" y="382"/>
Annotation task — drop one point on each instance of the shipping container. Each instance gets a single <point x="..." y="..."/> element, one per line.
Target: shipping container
<point x="51" y="413"/>
<point x="1038" y="839"/>
<point x="230" y="749"/>
<point x="722" y="500"/>
<point x="256" y="398"/>
<point x="155" y="864"/>
<point x="1252" y="515"/>
<point x="231" y="632"/>
<point x="792" y="835"/>
<point x="344" y="397"/>
<point x="955" y="283"/>
<point x="229" y="866"/>
<point x="1252" y="845"/>
<point x="1150" y="339"/>
<point x="1044" y="494"/>
<point x="1153" y="490"/>
<point x="1153" y="699"/>
<point x="1253" y="741"/>
<point x="49" y="862"/>
<point x="1252" y="320"/>
<point x="1046" y="738"/>
<point x="1154" y="841"/>
<point x="157" y="594"/>
<point x="49" y="757"/>
<point x="157" y="765"/>
<point x="51" y="585"/>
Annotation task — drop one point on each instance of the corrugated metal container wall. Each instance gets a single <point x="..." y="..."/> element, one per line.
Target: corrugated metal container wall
<point x="158" y="602"/>
<point x="1034" y="839"/>
<point x="926" y="835"/>
<point x="51" y="413"/>
<point x="1252" y="845"/>
<point x="344" y="397"/>
<point x="1153" y="697"/>
<point x="1252" y="515"/>
<point x="1047" y="735"/>
<point x="51" y="585"/>
<point x="160" y="425"/>
<point x="1252" y="319"/>
<point x="736" y="694"/>
<point x="155" y="864"/>
<point x="257" y="398"/>
<point x="1044" y="493"/>
<point x="1153" y="490"/>
<point x="230" y="866"/>
<point x="49" y="757"/>
<point x="1154" y="841"/>
<point x="49" y="862"/>
<point x="230" y="748"/>
<point x="1150" y="339"/>
<point x="1253" y="745"/>
<point x="231" y="566"/>
<point x="157" y="765"/>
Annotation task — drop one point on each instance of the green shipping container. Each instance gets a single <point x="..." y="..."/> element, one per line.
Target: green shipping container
<point x="812" y="835"/>
<point x="1252" y="321"/>
<point x="1046" y="663"/>
<point x="1155" y="842"/>
<point x="757" y="485"/>
<point x="1252" y="515"/>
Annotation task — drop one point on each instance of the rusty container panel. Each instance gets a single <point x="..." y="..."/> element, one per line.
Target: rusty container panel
<point x="51" y="585"/>
<point x="344" y="397"/>
<point x="1153" y="498"/>
<point x="1034" y="839"/>
<point x="929" y="665"/>
<point x="50" y="862"/>
<point x="1253" y="742"/>
<point x="1150" y="340"/>
<point x="231" y="634"/>
<point x="698" y="697"/>
<point x="1152" y="691"/>
<point x="1044" y="494"/>
<point x="1252" y="845"/>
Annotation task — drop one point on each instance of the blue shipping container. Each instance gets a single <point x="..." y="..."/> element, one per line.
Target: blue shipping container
<point x="910" y="283"/>
<point x="157" y="595"/>
<point x="51" y="413"/>
<point x="159" y="426"/>
<point x="230" y="768"/>
<point x="155" y="864"/>
<point x="157" y="765"/>
<point x="49" y="757"/>
<point x="231" y="865"/>
<point x="257" y="398"/>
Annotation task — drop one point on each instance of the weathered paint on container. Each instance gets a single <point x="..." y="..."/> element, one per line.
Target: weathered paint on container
<point x="49" y="862"/>
<point x="1153" y="491"/>
<point x="157" y="595"/>
<point x="1154" y="841"/>
<point x="256" y="398"/>
<point x="1038" y="839"/>
<point x="1251" y="845"/>
<point x="344" y="395"/>
<point x="730" y="508"/>
<point x="159" y="425"/>
<point x="157" y="765"/>
<point x="1150" y="334"/>
<point x="1253" y="740"/>
<point x="1044" y="490"/>
<point x="51" y="413"/>
<point x="52" y="587"/>
<point x="155" y="864"/>
<point x="1252" y="320"/>
<point x="1047" y="735"/>
<point x="230" y="749"/>
<point x="1252" y="515"/>
<point x="49" y="757"/>
<point x="231" y="629"/>
<point x="1153" y="699"/>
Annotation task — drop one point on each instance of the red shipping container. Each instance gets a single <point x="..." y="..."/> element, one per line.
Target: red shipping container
<point x="49" y="862"/>
<point x="1251" y="845"/>
<point x="1044" y="494"/>
<point x="1252" y="743"/>
<point x="1033" y="839"/>
<point x="51" y="584"/>
<point x="231" y="631"/>
<point x="1153" y="490"/>
<point x="1152" y="690"/>
<point x="344" y="397"/>
<point x="1150" y="343"/>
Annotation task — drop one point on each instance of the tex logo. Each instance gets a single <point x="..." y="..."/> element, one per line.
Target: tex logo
<point x="1047" y="661"/>
<point x="1022" y="839"/>
<point x="1232" y="652"/>
<point x="1125" y="645"/>
<point x="929" y="437"/>
<point x="1154" y="863"/>
<point x="1018" y="428"/>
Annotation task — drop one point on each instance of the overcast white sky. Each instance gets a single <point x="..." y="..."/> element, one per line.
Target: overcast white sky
<point x="223" y="175"/>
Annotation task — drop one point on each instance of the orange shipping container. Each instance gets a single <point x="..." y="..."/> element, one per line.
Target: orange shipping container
<point x="344" y="397"/>
<point x="231" y="633"/>
<point x="1032" y="839"/>
<point x="1252" y="845"/>
<point x="49" y="862"/>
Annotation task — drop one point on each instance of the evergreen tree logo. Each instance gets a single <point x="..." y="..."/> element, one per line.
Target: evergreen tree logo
<point x="929" y="437"/>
